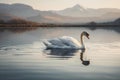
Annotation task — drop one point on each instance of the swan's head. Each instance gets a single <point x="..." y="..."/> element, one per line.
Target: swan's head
<point x="84" y="33"/>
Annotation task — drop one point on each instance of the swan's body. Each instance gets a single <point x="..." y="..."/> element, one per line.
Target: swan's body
<point x="66" y="42"/>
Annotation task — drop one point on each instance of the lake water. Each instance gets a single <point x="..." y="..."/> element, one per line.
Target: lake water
<point x="23" y="55"/>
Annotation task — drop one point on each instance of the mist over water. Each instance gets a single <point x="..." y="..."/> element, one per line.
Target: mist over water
<point x="23" y="55"/>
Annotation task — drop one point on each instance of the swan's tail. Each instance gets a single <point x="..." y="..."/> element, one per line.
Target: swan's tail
<point x="46" y="43"/>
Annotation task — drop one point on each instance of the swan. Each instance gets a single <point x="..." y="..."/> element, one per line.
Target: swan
<point x="66" y="42"/>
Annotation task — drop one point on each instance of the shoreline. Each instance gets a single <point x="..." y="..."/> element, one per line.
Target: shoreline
<point x="55" y="25"/>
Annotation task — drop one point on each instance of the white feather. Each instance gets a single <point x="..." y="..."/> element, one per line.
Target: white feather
<point x="62" y="42"/>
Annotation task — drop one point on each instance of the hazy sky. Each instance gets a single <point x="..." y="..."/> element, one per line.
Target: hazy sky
<point x="61" y="4"/>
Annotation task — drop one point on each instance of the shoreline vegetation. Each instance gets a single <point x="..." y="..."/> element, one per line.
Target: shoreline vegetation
<point x="21" y="23"/>
<point x="56" y="25"/>
<point x="19" y="28"/>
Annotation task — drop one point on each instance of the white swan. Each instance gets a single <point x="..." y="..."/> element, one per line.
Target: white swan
<point x="66" y="42"/>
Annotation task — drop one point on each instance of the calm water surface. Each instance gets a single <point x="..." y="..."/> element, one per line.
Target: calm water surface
<point x="23" y="55"/>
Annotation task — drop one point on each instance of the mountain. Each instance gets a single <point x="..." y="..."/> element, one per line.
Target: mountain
<point x="7" y="17"/>
<point x="75" y="11"/>
<point x="20" y="10"/>
<point x="76" y="14"/>
<point x="79" y="11"/>
<point x="11" y="11"/>
<point x="115" y="22"/>
<point x="50" y="17"/>
<point x="46" y="17"/>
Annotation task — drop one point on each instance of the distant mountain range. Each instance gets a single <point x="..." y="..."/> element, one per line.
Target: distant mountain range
<point x="76" y="14"/>
<point x="20" y="10"/>
<point x="79" y="11"/>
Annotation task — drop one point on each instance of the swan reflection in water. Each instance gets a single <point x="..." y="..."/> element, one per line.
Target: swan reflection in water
<point x="66" y="47"/>
<point x="84" y="62"/>
<point x="66" y="54"/>
<point x="61" y="53"/>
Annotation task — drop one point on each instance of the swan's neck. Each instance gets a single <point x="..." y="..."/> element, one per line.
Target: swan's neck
<point x="81" y="39"/>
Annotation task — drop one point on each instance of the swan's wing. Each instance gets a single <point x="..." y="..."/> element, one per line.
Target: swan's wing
<point x="62" y="42"/>
<point x="70" y="41"/>
<point x="54" y="43"/>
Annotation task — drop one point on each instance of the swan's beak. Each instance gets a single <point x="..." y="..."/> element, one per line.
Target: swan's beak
<point x="88" y="37"/>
